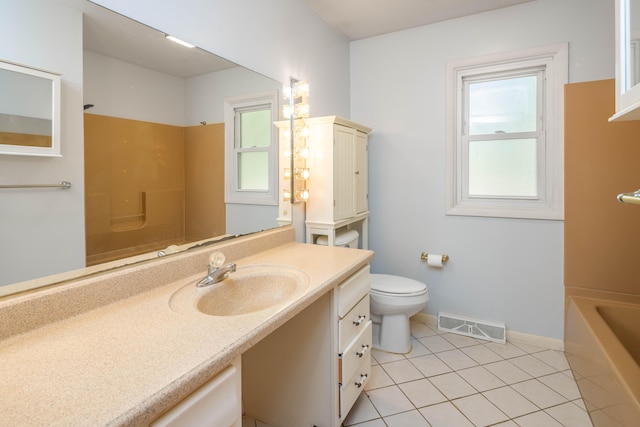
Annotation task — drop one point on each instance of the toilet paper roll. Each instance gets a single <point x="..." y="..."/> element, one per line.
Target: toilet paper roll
<point x="435" y="261"/>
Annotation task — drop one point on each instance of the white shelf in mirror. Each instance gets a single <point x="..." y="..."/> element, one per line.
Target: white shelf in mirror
<point x="627" y="60"/>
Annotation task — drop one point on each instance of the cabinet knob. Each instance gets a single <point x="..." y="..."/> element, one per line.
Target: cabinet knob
<point x="363" y="379"/>
<point x="363" y="351"/>
<point x="361" y="319"/>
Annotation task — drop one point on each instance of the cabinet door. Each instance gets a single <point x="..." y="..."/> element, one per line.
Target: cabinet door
<point x="217" y="403"/>
<point x="344" y="168"/>
<point x="362" y="172"/>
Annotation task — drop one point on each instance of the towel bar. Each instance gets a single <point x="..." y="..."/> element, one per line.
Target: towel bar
<point x="64" y="185"/>
<point x="633" y="198"/>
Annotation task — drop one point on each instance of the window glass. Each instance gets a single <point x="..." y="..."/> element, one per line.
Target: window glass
<point x="503" y="105"/>
<point x="503" y="168"/>
<point x="251" y="149"/>
<point x="255" y="128"/>
<point x="253" y="170"/>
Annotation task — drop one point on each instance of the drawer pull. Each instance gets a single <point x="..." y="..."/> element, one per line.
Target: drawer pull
<point x="363" y="379"/>
<point x="363" y="351"/>
<point x="361" y="319"/>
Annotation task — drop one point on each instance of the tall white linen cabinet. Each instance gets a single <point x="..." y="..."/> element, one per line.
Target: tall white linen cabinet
<point x="339" y="179"/>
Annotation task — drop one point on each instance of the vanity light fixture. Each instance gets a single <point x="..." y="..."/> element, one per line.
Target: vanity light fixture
<point x="302" y="195"/>
<point x="296" y="110"/>
<point x="180" y="42"/>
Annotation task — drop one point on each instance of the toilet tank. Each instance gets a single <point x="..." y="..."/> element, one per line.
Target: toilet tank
<point x="347" y="239"/>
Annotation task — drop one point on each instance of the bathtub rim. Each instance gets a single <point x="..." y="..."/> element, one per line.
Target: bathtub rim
<point x="618" y="357"/>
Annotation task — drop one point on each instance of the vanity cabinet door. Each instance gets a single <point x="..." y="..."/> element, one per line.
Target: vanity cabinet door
<point x="215" y="404"/>
<point x="362" y="172"/>
<point x="353" y="356"/>
<point x="344" y="169"/>
<point x="352" y="290"/>
<point x="350" y="389"/>
<point x="354" y="338"/>
<point x="353" y="323"/>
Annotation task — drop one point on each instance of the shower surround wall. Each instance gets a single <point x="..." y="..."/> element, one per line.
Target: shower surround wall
<point x="602" y="247"/>
<point x="602" y="237"/>
<point x="146" y="187"/>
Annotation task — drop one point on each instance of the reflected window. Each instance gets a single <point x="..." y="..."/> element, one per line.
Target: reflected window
<point x="251" y="149"/>
<point x="252" y="146"/>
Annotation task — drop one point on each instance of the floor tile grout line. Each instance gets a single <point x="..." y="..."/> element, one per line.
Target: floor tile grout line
<point x="503" y="358"/>
<point x="537" y="378"/>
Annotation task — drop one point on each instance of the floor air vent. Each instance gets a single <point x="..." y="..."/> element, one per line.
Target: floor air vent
<point x="495" y="332"/>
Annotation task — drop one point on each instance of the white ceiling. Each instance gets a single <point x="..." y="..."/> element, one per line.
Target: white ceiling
<point x="358" y="19"/>
<point x="114" y="35"/>
<point x="110" y="34"/>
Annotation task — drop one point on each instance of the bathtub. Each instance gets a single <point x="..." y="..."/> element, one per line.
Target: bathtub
<point x="602" y="345"/>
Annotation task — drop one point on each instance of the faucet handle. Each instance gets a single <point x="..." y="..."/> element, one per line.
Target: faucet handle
<point x="216" y="260"/>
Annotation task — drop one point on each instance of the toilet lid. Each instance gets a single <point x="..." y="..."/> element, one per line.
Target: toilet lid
<point x="390" y="284"/>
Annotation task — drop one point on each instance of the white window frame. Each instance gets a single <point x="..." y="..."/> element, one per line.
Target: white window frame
<point x="232" y="192"/>
<point x="550" y="203"/>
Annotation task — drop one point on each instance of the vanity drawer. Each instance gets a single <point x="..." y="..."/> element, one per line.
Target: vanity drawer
<point x="352" y="290"/>
<point x="351" y="389"/>
<point x="355" y="353"/>
<point x="353" y="323"/>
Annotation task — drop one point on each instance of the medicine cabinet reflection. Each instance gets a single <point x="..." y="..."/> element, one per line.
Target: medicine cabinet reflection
<point x="29" y="111"/>
<point x="627" y="60"/>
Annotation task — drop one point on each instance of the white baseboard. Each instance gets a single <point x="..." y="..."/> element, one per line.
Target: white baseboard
<point x="535" y="340"/>
<point x="512" y="336"/>
<point x="426" y="318"/>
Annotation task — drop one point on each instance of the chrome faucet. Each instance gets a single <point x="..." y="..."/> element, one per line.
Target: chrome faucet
<point x="216" y="271"/>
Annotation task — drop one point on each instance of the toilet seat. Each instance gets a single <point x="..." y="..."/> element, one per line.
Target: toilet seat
<point x="386" y="284"/>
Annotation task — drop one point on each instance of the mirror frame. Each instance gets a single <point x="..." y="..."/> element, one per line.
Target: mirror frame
<point x="627" y="96"/>
<point x="54" y="78"/>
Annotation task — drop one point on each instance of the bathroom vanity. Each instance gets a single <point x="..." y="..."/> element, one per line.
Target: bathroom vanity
<point x="132" y="346"/>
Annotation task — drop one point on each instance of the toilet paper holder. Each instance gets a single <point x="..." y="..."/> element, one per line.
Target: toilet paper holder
<point x="425" y="256"/>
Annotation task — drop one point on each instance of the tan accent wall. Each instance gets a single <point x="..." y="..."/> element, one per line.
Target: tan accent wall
<point x="602" y="159"/>
<point x="204" y="179"/>
<point x="25" y="139"/>
<point x="150" y="185"/>
<point x="134" y="186"/>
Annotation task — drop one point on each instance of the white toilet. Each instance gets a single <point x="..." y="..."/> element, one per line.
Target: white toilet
<point x="394" y="299"/>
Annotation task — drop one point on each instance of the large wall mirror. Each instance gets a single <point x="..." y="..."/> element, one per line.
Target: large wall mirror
<point x="632" y="66"/>
<point x="627" y="60"/>
<point x="154" y="143"/>
<point x="29" y="111"/>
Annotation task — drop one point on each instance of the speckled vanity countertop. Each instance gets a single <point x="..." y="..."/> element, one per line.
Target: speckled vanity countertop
<point x="126" y="362"/>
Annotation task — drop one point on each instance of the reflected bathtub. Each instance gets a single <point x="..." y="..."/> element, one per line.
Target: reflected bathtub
<point x="602" y="345"/>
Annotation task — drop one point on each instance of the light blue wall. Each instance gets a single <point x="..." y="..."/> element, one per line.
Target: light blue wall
<point x="505" y="270"/>
<point x="277" y="38"/>
<point x="42" y="231"/>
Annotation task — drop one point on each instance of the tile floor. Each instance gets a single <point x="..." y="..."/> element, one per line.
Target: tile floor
<point x="450" y="380"/>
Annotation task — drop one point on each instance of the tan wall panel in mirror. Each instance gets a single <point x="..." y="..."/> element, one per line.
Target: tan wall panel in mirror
<point x="150" y="185"/>
<point x="602" y="237"/>
<point x="204" y="180"/>
<point x="134" y="187"/>
<point x="25" y="139"/>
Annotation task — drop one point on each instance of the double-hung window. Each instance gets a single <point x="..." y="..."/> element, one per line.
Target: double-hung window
<point x="251" y="159"/>
<point x="505" y="134"/>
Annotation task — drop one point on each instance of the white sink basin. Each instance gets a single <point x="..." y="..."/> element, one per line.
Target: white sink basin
<point x="248" y="290"/>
